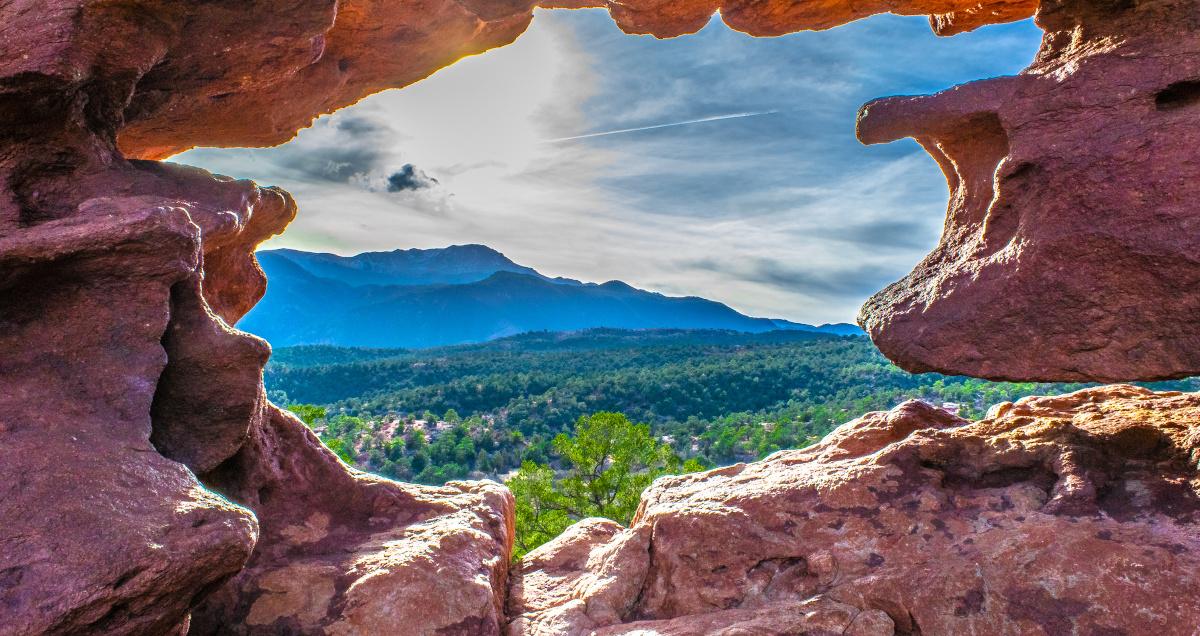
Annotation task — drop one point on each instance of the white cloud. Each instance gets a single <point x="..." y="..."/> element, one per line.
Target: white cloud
<point x="783" y="215"/>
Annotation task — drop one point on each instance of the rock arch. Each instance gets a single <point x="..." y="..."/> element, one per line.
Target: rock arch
<point x="1069" y="254"/>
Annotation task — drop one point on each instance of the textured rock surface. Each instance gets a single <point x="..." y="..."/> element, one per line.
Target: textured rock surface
<point x="123" y="389"/>
<point x="99" y="533"/>
<point x="177" y="86"/>
<point x="1076" y="514"/>
<point x="343" y="552"/>
<point x="590" y="576"/>
<point x="816" y="617"/>
<point x="1073" y="218"/>
<point x="193" y="93"/>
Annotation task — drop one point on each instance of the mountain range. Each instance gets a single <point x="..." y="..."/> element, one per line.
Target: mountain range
<point x="420" y="298"/>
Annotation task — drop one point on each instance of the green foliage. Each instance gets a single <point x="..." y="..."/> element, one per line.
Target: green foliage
<point x="719" y="397"/>
<point x="604" y="466"/>
<point x="538" y="520"/>
<point x="711" y="397"/>
<point x="308" y="413"/>
<point x="339" y="446"/>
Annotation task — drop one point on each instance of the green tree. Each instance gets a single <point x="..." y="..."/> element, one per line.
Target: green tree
<point x="540" y="515"/>
<point x="339" y="446"/>
<point x="308" y="413"/>
<point x="606" y="465"/>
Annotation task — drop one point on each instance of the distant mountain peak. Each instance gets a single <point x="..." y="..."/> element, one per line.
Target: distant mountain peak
<point x="469" y="247"/>
<point x="619" y="285"/>
<point x="461" y="294"/>
<point x="452" y="265"/>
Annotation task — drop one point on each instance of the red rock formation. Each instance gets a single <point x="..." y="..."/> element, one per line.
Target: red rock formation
<point x="325" y="57"/>
<point x="1077" y="514"/>
<point x="1072" y="207"/>
<point x="126" y="399"/>
<point x="588" y="577"/>
<point x="99" y="533"/>
<point x="343" y="552"/>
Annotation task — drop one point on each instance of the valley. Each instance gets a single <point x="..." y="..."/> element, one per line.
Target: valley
<point x="718" y="397"/>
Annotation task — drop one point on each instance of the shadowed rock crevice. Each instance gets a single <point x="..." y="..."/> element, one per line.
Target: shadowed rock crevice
<point x="101" y="534"/>
<point x="1178" y="95"/>
<point x="210" y="393"/>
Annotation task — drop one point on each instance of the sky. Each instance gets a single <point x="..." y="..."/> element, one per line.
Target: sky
<point x="714" y="164"/>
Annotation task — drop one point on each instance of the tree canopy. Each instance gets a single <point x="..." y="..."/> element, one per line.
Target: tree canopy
<point x="603" y="469"/>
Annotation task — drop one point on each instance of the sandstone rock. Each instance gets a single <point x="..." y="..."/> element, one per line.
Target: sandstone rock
<point x="873" y="431"/>
<point x="121" y="379"/>
<point x="816" y="617"/>
<point x="1072" y="216"/>
<point x="670" y="18"/>
<point x="210" y="394"/>
<point x="967" y="18"/>
<point x="343" y="552"/>
<point x="168" y="84"/>
<point x="99" y="533"/>
<point x="1073" y="514"/>
<point x="588" y="577"/>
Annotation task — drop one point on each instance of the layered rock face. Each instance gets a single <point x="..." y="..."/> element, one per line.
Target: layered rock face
<point x="1077" y="514"/>
<point x="100" y="532"/>
<point x="151" y="489"/>
<point x="130" y="404"/>
<point x="1073" y="215"/>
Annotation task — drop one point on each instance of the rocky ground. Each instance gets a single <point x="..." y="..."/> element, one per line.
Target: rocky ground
<point x="1076" y="514"/>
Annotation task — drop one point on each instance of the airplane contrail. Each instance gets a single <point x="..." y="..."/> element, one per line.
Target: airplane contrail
<point x="667" y="125"/>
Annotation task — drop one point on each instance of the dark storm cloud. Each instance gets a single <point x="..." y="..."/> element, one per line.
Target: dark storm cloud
<point x="409" y="177"/>
<point x="354" y="151"/>
<point x="359" y="127"/>
<point x="336" y="164"/>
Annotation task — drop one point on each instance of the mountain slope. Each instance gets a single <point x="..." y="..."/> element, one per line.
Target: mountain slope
<point x="452" y="265"/>
<point x="370" y="301"/>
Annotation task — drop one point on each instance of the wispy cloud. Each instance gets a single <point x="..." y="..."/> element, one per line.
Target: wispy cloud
<point x="687" y="122"/>
<point x="719" y="165"/>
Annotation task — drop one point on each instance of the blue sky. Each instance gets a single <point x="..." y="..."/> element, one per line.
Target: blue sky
<point x="768" y="203"/>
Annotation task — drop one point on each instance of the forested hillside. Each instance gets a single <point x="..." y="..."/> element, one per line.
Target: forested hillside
<point x="718" y="397"/>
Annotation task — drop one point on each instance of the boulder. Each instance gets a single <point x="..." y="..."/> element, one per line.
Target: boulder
<point x="344" y="552"/>
<point x="1076" y="514"/>
<point x="589" y="576"/>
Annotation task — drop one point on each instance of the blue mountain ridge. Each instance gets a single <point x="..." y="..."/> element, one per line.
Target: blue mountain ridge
<point x="461" y="294"/>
